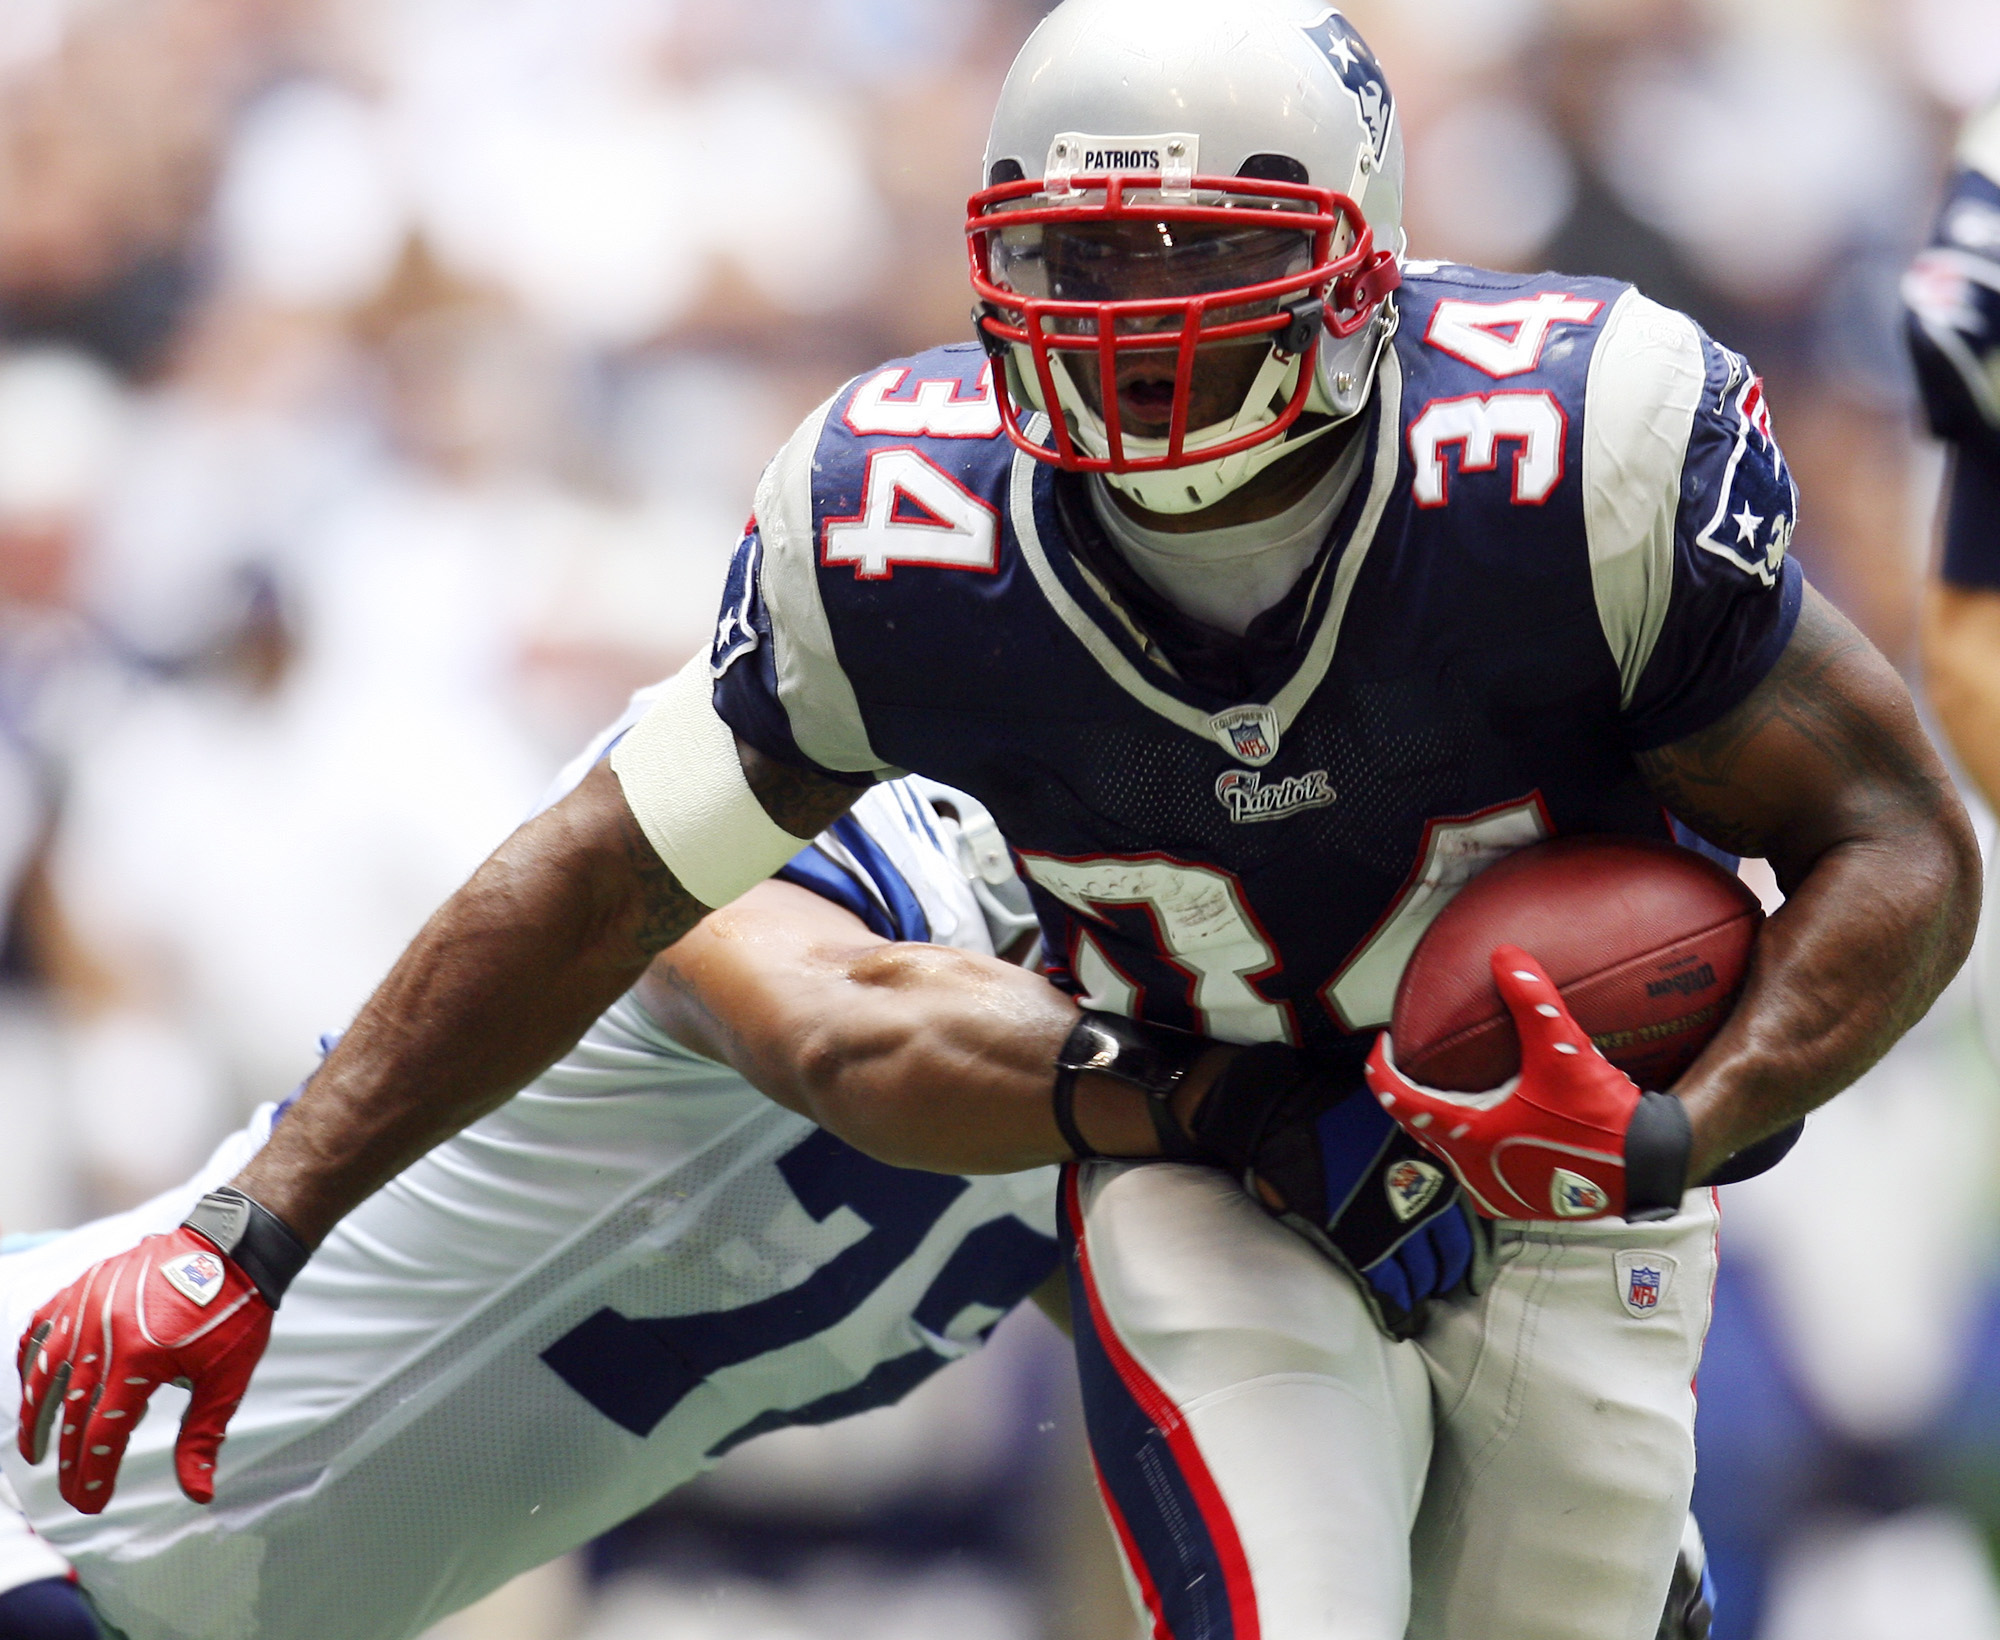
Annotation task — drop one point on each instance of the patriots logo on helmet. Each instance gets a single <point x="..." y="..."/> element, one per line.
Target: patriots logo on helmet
<point x="1411" y="1186"/>
<point x="1359" y="72"/>
<point x="194" y="1275"/>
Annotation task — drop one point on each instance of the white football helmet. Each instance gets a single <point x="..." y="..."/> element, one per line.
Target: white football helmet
<point x="1142" y="157"/>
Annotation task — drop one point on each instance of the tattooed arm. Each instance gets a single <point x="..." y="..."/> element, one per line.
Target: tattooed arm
<point x="1825" y="771"/>
<point x="501" y="982"/>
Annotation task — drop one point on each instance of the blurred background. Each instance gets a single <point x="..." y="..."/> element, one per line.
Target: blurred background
<point x="382" y="388"/>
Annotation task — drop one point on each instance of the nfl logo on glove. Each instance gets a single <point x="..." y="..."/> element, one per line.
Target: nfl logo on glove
<point x="1575" y="1197"/>
<point x="198" y="1276"/>
<point x="1411" y="1185"/>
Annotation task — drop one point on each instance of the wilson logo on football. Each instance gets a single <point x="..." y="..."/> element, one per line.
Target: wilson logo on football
<point x="1246" y="797"/>
<point x="1686" y="984"/>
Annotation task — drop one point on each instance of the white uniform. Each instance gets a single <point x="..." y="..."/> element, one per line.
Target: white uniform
<point x="553" y="1319"/>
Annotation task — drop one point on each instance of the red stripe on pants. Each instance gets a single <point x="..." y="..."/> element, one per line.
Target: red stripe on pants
<point x="1166" y="1417"/>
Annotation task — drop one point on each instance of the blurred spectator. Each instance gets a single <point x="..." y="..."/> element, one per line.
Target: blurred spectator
<point x="111" y="116"/>
<point x="63" y="429"/>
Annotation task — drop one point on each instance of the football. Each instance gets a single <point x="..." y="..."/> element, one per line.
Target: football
<point x="1647" y="942"/>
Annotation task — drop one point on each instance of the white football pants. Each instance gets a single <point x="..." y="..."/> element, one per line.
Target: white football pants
<point x="1276" y="1469"/>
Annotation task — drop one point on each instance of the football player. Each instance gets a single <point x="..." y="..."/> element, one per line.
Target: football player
<point x="1952" y="298"/>
<point x="1263" y="586"/>
<point x="627" y="1270"/>
<point x="466" y="1337"/>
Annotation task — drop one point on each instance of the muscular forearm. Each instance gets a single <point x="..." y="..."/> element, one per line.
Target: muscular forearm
<point x="934" y="1059"/>
<point x="1825" y="771"/>
<point x="918" y="1055"/>
<point x="1852" y="960"/>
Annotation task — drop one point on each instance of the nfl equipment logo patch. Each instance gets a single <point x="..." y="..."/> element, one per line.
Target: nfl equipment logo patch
<point x="1643" y="1278"/>
<point x="197" y="1276"/>
<point x="1247" y="733"/>
<point x="1575" y="1197"/>
<point x="1412" y="1186"/>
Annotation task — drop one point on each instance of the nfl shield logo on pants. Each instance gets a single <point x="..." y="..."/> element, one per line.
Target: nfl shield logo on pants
<point x="1643" y="1278"/>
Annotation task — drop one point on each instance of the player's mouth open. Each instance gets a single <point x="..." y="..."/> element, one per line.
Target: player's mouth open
<point x="1148" y="400"/>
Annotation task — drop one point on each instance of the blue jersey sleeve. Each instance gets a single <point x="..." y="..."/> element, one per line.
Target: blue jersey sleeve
<point x="847" y="866"/>
<point x="1736" y="592"/>
<point x="743" y="658"/>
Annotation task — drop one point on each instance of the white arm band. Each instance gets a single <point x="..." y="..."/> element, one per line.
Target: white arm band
<point x="684" y="782"/>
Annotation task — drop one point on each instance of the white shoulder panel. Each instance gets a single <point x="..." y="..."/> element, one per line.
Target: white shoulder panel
<point x="817" y="697"/>
<point x="1979" y="145"/>
<point x="1639" y="403"/>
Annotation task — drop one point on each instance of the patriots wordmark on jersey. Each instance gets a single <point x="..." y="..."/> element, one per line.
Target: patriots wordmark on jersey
<point x="1567" y="543"/>
<point x="573" y="1306"/>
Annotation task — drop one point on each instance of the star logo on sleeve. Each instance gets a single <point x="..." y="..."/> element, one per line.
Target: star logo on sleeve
<point x="1755" y="502"/>
<point x="735" y="633"/>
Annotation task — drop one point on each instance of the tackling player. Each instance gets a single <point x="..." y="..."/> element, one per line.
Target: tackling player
<point x="432" y="1350"/>
<point x="630" y="1268"/>
<point x="1263" y="587"/>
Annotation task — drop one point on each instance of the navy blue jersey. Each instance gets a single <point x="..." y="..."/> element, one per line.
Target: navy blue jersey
<point x="1567" y="544"/>
<point x="1951" y="297"/>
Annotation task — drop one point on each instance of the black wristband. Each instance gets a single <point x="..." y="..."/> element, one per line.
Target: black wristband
<point x="256" y="1238"/>
<point x="1761" y="1157"/>
<point x="1152" y="1058"/>
<point x="1657" y="1144"/>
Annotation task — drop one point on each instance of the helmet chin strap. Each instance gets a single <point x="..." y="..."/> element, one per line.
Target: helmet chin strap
<point x="1198" y="484"/>
<point x="1343" y="377"/>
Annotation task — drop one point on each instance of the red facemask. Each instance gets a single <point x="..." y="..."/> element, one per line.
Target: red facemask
<point x="1118" y="287"/>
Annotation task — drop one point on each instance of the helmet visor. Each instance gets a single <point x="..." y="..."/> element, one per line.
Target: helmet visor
<point x="1126" y="307"/>
<point x="1138" y="259"/>
<point x="1098" y="260"/>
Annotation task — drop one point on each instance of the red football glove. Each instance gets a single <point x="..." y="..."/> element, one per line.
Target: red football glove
<point x="172" y="1308"/>
<point x="1570" y="1137"/>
